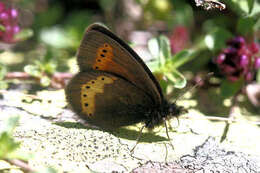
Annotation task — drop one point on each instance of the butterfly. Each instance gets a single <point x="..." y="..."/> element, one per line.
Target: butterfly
<point x="114" y="87"/>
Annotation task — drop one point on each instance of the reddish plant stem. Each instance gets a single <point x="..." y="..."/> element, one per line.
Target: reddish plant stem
<point x="18" y="75"/>
<point x="58" y="80"/>
<point x="24" y="166"/>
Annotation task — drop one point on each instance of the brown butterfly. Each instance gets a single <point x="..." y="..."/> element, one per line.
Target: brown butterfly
<point x="114" y="87"/>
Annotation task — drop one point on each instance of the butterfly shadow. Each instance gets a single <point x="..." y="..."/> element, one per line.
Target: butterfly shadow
<point x="73" y="125"/>
<point x="131" y="134"/>
<point x="122" y="132"/>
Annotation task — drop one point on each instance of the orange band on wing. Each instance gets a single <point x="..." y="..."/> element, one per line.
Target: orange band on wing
<point x="104" y="57"/>
<point x="89" y="91"/>
<point x="105" y="60"/>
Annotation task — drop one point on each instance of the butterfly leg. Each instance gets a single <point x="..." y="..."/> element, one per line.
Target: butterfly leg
<point x="138" y="138"/>
<point x="166" y="128"/>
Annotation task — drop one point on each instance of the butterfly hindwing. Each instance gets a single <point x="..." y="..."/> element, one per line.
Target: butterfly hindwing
<point x="106" y="100"/>
<point x="101" y="50"/>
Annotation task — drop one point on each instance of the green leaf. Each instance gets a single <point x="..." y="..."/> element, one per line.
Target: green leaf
<point x="153" y="47"/>
<point x="229" y="88"/>
<point x="160" y="49"/>
<point x="216" y="40"/>
<point x="3" y="71"/>
<point x="164" y="84"/>
<point x="165" y="49"/>
<point x="255" y="10"/>
<point x="176" y="79"/>
<point x="45" y="81"/>
<point x="245" y="25"/>
<point x="240" y="7"/>
<point x="244" y="7"/>
<point x="258" y="76"/>
<point x="2" y="27"/>
<point x="33" y="70"/>
<point x="74" y="27"/>
<point x="50" y="17"/>
<point x="183" y="14"/>
<point x="153" y="65"/>
<point x="10" y="124"/>
<point x="23" y="35"/>
<point x="180" y="58"/>
<point x="56" y="37"/>
<point x="250" y="5"/>
<point x="50" y="67"/>
<point x="3" y="85"/>
<point x="7" y="145"/>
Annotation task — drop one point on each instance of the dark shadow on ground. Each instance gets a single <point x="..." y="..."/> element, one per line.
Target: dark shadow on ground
<point x="133" y="135"/>
<point x="120" y="133"/>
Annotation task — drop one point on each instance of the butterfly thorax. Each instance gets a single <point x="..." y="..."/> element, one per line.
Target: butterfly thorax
<point x="159" y="114"/>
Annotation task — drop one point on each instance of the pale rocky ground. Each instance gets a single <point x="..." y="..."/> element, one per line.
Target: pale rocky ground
<point x="52" y="135"/>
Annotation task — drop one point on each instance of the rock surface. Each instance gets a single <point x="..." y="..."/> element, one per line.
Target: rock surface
<point x="56" y="139"/>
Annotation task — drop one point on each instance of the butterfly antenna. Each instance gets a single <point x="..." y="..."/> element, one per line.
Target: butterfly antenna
<point x="138" y="138"/>
<point x="193" y="87"/>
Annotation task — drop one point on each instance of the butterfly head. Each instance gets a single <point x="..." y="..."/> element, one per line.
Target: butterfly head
<point x="175" y="111"/>
<point x="166" y="111"/>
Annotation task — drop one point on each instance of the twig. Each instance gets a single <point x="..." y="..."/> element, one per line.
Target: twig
<point x="220" y="119"/>
<point x="58" y="79"/>
<point x="24" y="166"/>
<point x="19" y="75"/>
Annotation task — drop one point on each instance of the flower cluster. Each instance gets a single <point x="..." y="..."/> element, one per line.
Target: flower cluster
<point x="8" y="23"/>
<point x="239" y="59"/>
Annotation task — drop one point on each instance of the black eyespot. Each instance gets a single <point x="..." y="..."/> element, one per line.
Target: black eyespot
<point x="104" y="50"/>
<point x="93" y="82"/>
<point x="85" y="95"/>
<point x="102" y="78"/>
<point x="86" y="104"/>
<point x="99" y="60"/>
<point x="102" y="55"/>
<point x="87" y="87"/>
<point x="96" y="67"/>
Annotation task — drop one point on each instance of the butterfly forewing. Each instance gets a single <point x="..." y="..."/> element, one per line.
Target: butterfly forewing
<point x="101" y="50"/>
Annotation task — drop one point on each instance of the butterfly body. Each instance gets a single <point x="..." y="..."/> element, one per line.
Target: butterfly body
<point x="114" y="87"/>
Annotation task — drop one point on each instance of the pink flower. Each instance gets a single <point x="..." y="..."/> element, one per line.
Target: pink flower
<point x="179" y="39"/>
<point x="2" y="7"/>
<point x="257" y="63"/>
<point x="9" y="23"/>
<point x="238" y="59"/>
